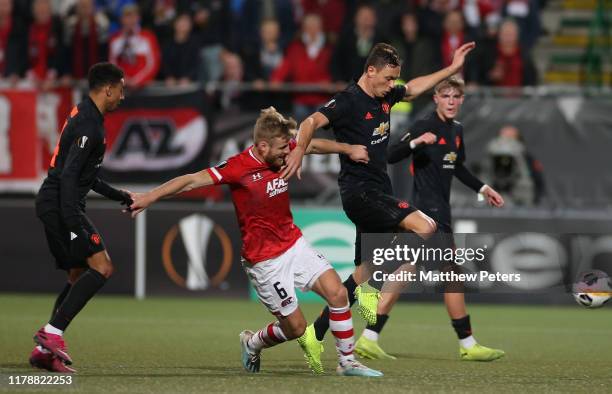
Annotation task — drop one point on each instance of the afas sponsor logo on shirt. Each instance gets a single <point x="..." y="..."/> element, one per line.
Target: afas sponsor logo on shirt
<point x="276" y="186"/>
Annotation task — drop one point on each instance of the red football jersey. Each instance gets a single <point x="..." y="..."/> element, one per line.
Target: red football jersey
<point x="261" y="199"/>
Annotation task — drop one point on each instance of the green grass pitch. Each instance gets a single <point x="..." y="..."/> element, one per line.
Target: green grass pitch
<point x="176" y="345"/>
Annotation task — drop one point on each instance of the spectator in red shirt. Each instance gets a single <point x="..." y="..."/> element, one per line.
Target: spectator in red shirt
<point x="12" y="44"/>
<point x="306" y="61"/>
<point x="512" y="65"/>
<point x="44" y="45"/>
<point x="135" y="50"/>
<point x="453" y="36"/>
<point x="86" y="38"/>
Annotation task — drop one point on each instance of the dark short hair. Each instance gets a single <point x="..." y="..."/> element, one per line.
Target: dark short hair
<point x="102" y="74"/>
<point x="382" y="55"/>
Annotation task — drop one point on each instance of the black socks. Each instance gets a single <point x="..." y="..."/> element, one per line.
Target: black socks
<point x="81" y="292"/>
<point x="380" y="323"/>
<point x="60" y="298"/>
<point x="462" y="326"/>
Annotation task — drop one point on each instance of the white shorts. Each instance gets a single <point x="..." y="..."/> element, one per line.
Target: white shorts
<point x="275" y="280"/>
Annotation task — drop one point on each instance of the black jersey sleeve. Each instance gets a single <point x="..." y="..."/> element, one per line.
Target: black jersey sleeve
<point x="467" y="178"/>
<point x="335" y="108"/>
<point x="402" y="150"/>
<point x="109" y="192"/>
<point x="462" y="173"/>
<point x="78" y="155"/>
<point x="397" y="93"/>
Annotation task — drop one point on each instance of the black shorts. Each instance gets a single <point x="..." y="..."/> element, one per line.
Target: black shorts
<point x="374" y="211"/>
<point x="58" y="239"/>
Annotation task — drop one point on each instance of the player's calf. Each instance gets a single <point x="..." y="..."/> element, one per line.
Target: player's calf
<point x="294" y="325"/>
<point x="337" y="296"/>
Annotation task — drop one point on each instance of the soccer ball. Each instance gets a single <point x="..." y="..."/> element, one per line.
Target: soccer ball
<point x="592" y="289"/>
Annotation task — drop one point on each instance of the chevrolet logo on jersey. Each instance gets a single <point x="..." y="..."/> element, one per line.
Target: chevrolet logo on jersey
<point x="450" y="157"/>
<point x="382" y="131"/>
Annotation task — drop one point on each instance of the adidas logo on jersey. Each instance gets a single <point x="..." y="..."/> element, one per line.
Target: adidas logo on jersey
<point x="276" y="186"/>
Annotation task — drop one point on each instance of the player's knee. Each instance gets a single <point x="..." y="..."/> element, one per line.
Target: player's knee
<point x="109" y="271"/>
<point x="106" y="269"/>
<point x="338" y="297"/>
<point x="426" y="227"/>
<point x="431" y="226"/>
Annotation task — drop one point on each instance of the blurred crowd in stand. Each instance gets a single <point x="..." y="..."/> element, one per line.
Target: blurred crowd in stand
<point x="48" y="43"/>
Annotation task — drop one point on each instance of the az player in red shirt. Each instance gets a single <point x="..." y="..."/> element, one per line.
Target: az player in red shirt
<point x="275" y="256"/>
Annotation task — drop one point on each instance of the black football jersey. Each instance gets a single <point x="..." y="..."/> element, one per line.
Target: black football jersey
<point x="75" y="163"/>
<point x="359" y="119"/>
<point x="433" y="166"/>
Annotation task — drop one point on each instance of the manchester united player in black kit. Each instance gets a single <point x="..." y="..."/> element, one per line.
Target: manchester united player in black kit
<point x="361" y="115"/>
<point x="73" y="240"/>
<point x="437" y="147"/>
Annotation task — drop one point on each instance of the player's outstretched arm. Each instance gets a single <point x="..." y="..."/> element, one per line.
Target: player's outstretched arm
<point x="420" y="85"/>
<point x="404" y="148"/>
<point x="305" y="132"/>
<point x="322" y="146"/>
<point x="467" y="178"/>
<point x="104" y="189"/>
<point x="174" y="186"/>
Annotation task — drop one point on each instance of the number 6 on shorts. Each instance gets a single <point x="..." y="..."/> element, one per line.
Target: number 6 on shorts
<point x="280" y="291"/>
